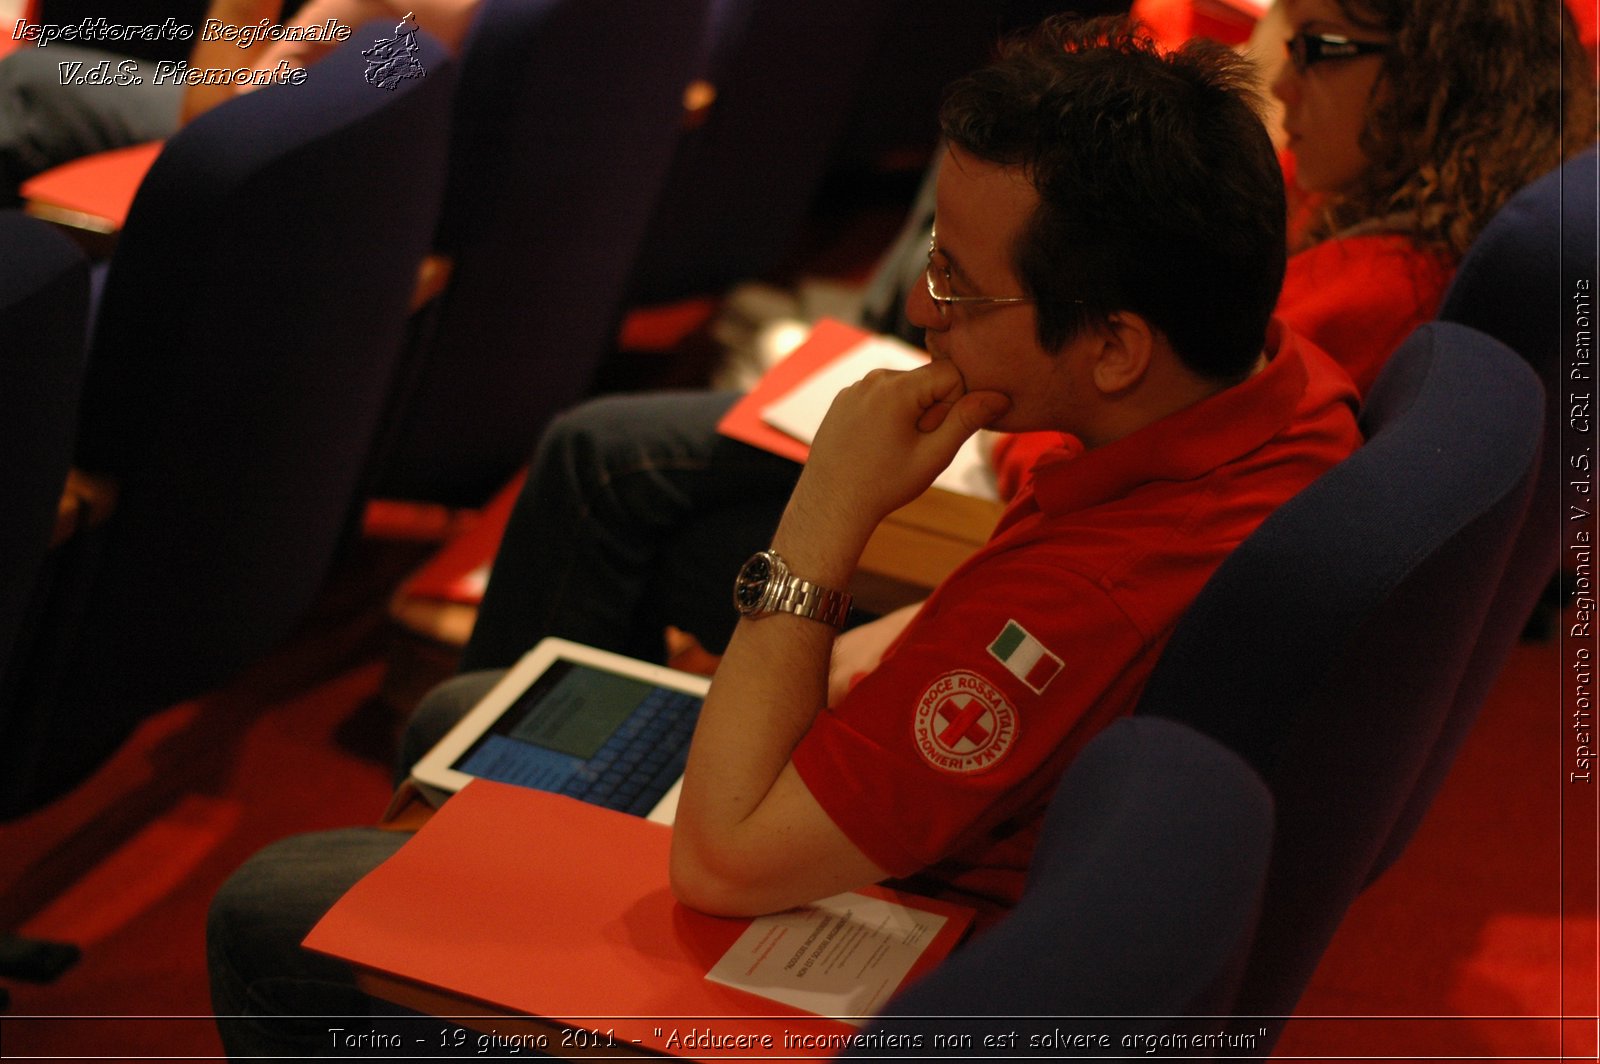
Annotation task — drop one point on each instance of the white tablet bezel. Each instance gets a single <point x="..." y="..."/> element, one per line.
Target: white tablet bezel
<point x="434" y="768"/>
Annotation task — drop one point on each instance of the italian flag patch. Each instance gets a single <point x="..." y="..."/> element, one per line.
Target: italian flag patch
<point x="1025" y="657"/>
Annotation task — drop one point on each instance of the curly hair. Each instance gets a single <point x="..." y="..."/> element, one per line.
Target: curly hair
<point x="1476" y="99"/>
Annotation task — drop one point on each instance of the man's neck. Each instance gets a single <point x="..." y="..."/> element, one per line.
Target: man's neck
<point x="1168" y="388"/>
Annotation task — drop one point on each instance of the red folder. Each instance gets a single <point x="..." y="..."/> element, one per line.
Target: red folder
<point x="828" y="340"/>
<point x="537" y="904"/>
<point x="97" y="187"/>
<point x="452" y="574"/>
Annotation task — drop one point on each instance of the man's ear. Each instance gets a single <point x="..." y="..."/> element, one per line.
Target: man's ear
<point x="1127" y="344"/>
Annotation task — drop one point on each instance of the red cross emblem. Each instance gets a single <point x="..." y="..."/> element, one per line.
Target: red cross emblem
<point x="963" y="723"/>
<point x="960" y="722"/>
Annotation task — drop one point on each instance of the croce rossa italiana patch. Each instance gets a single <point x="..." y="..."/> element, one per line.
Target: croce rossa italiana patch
<point x="963" y="723"/>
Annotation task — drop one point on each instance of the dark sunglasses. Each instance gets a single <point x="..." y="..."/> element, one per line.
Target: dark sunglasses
<point x="1309" y="49"/>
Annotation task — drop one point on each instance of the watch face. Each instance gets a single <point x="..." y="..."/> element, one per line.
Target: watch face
<point x="751" y="585"/>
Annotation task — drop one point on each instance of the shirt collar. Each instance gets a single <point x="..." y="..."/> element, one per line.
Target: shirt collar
<point x="1185" y="445"/>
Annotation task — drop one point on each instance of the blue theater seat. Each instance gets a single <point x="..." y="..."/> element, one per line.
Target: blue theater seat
<point x="567" y="117"/>
<point x="786" y="77"/>
<point x="1528" y="281"/>
<point x="1140" y="906"/>
<point x="246" y="338"/>
<point x="44" y="308"/>
<point x="1329" y="648"/>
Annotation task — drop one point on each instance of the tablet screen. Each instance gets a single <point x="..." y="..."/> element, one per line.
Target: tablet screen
<point x="561" y="722"/>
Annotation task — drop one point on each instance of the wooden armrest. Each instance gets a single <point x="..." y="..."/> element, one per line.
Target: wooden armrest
<point x="87" y="500"/>
<point x="919" y="545"/>
<point x="698" y="97"/>
<point x="433" y="276"/>
<point x="447" y="623"/>
<point x="408" y="809"/>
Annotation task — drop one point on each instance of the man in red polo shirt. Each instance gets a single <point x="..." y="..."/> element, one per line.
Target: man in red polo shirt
<point x="1108" y="247"/>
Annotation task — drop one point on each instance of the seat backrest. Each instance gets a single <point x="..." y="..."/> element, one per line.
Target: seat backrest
<point x="1524" y="281"/>
<point x="44" y="310"/>
<point x="1327" y="649"/>
<point x="1528" y="281"/>
<point x="565" y="123"/>
<point x="786" y="77"/>
<point x="249" y="326"/>
<point x="1140" y="905"/>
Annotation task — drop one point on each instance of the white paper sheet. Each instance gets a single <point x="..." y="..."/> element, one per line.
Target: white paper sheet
<point x="800" y="412"/>
<point x="841" y="957"/>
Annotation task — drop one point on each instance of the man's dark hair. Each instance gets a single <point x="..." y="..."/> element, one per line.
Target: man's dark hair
<point x="1159" y="191"/>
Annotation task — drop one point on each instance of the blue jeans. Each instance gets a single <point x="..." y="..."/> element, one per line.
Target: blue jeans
<point x="44" y="123"/>
<point x="272" y="998"/>
<point x="636" y="514"/>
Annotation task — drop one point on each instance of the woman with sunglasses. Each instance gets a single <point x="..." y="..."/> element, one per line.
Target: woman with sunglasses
<point x="1409" y="123"/>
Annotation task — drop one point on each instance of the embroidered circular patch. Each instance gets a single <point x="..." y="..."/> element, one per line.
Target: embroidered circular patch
<point x="963" y="723"/>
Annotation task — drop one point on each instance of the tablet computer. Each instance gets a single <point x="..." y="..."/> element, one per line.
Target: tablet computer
<point x="571" y="719"/>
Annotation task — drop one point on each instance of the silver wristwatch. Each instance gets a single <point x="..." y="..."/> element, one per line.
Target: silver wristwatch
<point x="765" y="585"/>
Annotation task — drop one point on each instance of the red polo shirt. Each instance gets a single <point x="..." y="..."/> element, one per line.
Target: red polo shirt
<point x="1357" y="297"/>
<point x="944" y="757"/>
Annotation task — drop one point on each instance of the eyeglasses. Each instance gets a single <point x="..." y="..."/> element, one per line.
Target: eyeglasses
<point x="1308" y="49"/>
<point x="938" y="277"/>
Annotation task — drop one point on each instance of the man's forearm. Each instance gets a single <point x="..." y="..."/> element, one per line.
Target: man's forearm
<point x="773" y="680"/>
<point x="750" y="836"/>
<point x="771" y="684"/>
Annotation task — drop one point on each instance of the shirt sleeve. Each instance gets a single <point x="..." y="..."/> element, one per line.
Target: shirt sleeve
<point x="1358" y="297"/>
<point x="970" y="720"/>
